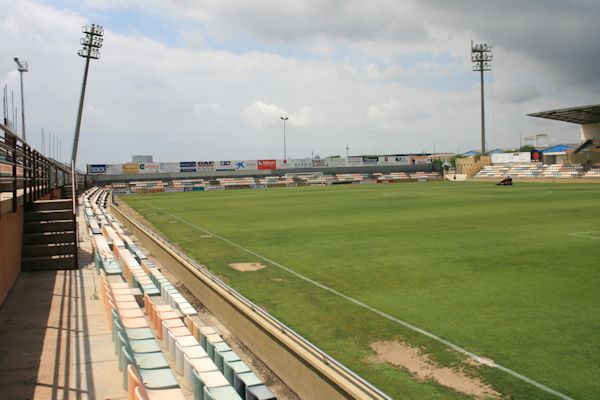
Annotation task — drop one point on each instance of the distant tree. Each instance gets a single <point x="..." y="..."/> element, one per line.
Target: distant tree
<point x="452" y="160"/>
<point x="527" y="147"/>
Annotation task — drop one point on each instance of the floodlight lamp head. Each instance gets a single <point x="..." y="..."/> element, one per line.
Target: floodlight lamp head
<point x="22" y="66"/>
<point x="95" y="30"/>
<point x="284" y="118"/>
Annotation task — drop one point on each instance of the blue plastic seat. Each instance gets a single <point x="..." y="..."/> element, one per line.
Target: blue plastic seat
<point x="221" y="393"/>
<point x="244" y="380"/>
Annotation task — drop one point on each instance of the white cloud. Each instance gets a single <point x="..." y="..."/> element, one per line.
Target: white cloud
<point x="263" y="115"/>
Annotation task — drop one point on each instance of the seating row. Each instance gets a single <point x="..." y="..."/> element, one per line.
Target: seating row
<point x="167" y="323"/>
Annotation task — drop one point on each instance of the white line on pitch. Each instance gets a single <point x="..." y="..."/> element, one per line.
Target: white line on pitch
<point x="359" y="303"/>
<point x="585" y="236"/>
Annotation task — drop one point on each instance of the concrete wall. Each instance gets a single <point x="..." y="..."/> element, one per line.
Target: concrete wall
<point x="11" y="243"/>
<point x="590" y="131"/>
<point x="11" y="237"/>
<point x="471" y="165"/>
<point x="306" y="373"/>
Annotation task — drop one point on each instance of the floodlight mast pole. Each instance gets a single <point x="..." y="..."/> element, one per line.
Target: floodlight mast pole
<point x="481" y="57"/>
<point x="91" y="43"/>
<point x="284" y="145"/>
<point x="22" y="66"/>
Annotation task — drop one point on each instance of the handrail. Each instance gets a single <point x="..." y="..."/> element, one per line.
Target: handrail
<point x="30" y="171"/>
<point x="361" y="384"/>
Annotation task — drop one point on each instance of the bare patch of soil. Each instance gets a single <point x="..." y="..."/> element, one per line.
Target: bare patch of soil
<point x="423" y="368"/>
<point x="247" y="267"/>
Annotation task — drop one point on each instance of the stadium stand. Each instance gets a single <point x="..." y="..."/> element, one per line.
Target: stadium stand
<point x="289" y="180"/>
<point x="275" y="181"/>
<point x="349" y="178"/>
<point x="181" y="184"/>
<point x="161" y="343"/>
<point x="245" y="182"/>
<point x="593" y="172"/>
<point x="392" y="177"/>
<point x="531" y="170"/>
<point x="147" y="186"/>
<point x="424" y="175"/>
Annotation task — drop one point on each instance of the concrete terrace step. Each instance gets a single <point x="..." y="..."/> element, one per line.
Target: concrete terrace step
<point x="48" y="237"/>
<point x="59" y="204"/>
<point x="48" y="249"/>
<point x="49" y="263"/>
<point x="48" y="215"/>
<point x="59" y="225"/>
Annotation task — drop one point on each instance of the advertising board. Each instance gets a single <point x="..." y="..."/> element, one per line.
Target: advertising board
<point x="226" y="166"/>
<point x="242" y="165"/>
<point x="206" y="165"/>
<point x="295" y="163"/>
<point x="97" y="169"/>
<point x="266" y="164"/>
<point x="507" y="158"/>
<point x="169" y="167"/>
<point x="131" y="168"/>
<point x="149" y="168"/>
<point x="114" y="169"/>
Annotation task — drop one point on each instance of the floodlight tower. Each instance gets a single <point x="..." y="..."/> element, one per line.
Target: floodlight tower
<point x="92" y="41"/>
<point x="22" y="66"/>
<point x="284" y="146"/>
<point x="481" y="57"/>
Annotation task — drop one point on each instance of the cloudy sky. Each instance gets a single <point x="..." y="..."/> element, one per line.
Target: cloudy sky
<point x="209" y="79"/>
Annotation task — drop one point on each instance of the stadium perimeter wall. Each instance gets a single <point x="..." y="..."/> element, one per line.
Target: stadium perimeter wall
<point x="11" y="238"/>
<point x="308" y="374"/>
<point x="105" y="179"/>
<point x="11" y="242"/>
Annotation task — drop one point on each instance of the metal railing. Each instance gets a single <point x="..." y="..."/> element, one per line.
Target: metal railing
<point x="361" y="385"/>
<point x="26" y="175"/>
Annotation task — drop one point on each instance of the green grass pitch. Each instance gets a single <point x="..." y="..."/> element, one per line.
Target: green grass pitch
<point x="510" y="273"/>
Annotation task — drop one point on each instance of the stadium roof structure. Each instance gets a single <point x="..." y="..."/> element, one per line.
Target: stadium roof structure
<point x="582" y="115"/>
<point x="589" y="146"/>
<point x="558" y="148"/>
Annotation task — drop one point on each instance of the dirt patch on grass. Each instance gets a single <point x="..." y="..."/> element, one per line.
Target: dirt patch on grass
<point x="423" y="368"/>
<point x="247" y="267"/>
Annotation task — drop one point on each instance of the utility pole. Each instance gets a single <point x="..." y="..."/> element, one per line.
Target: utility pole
<point x="481" y="57"/>
<point x="347" y="151"/>
<point x="22" y="66"/>
<point x="92" y="41"/>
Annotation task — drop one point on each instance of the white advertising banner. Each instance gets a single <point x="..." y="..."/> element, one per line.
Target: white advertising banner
<point x="243" y="165"/>
<point x="169" y="167"/>
<point x="114" y="169"/>
<point x="507" y="158"/>
<point x="295" y="163"/>
<point x="206" y="166"/>
<point x="225" y="165"/>
<point x="149" y="168"/>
